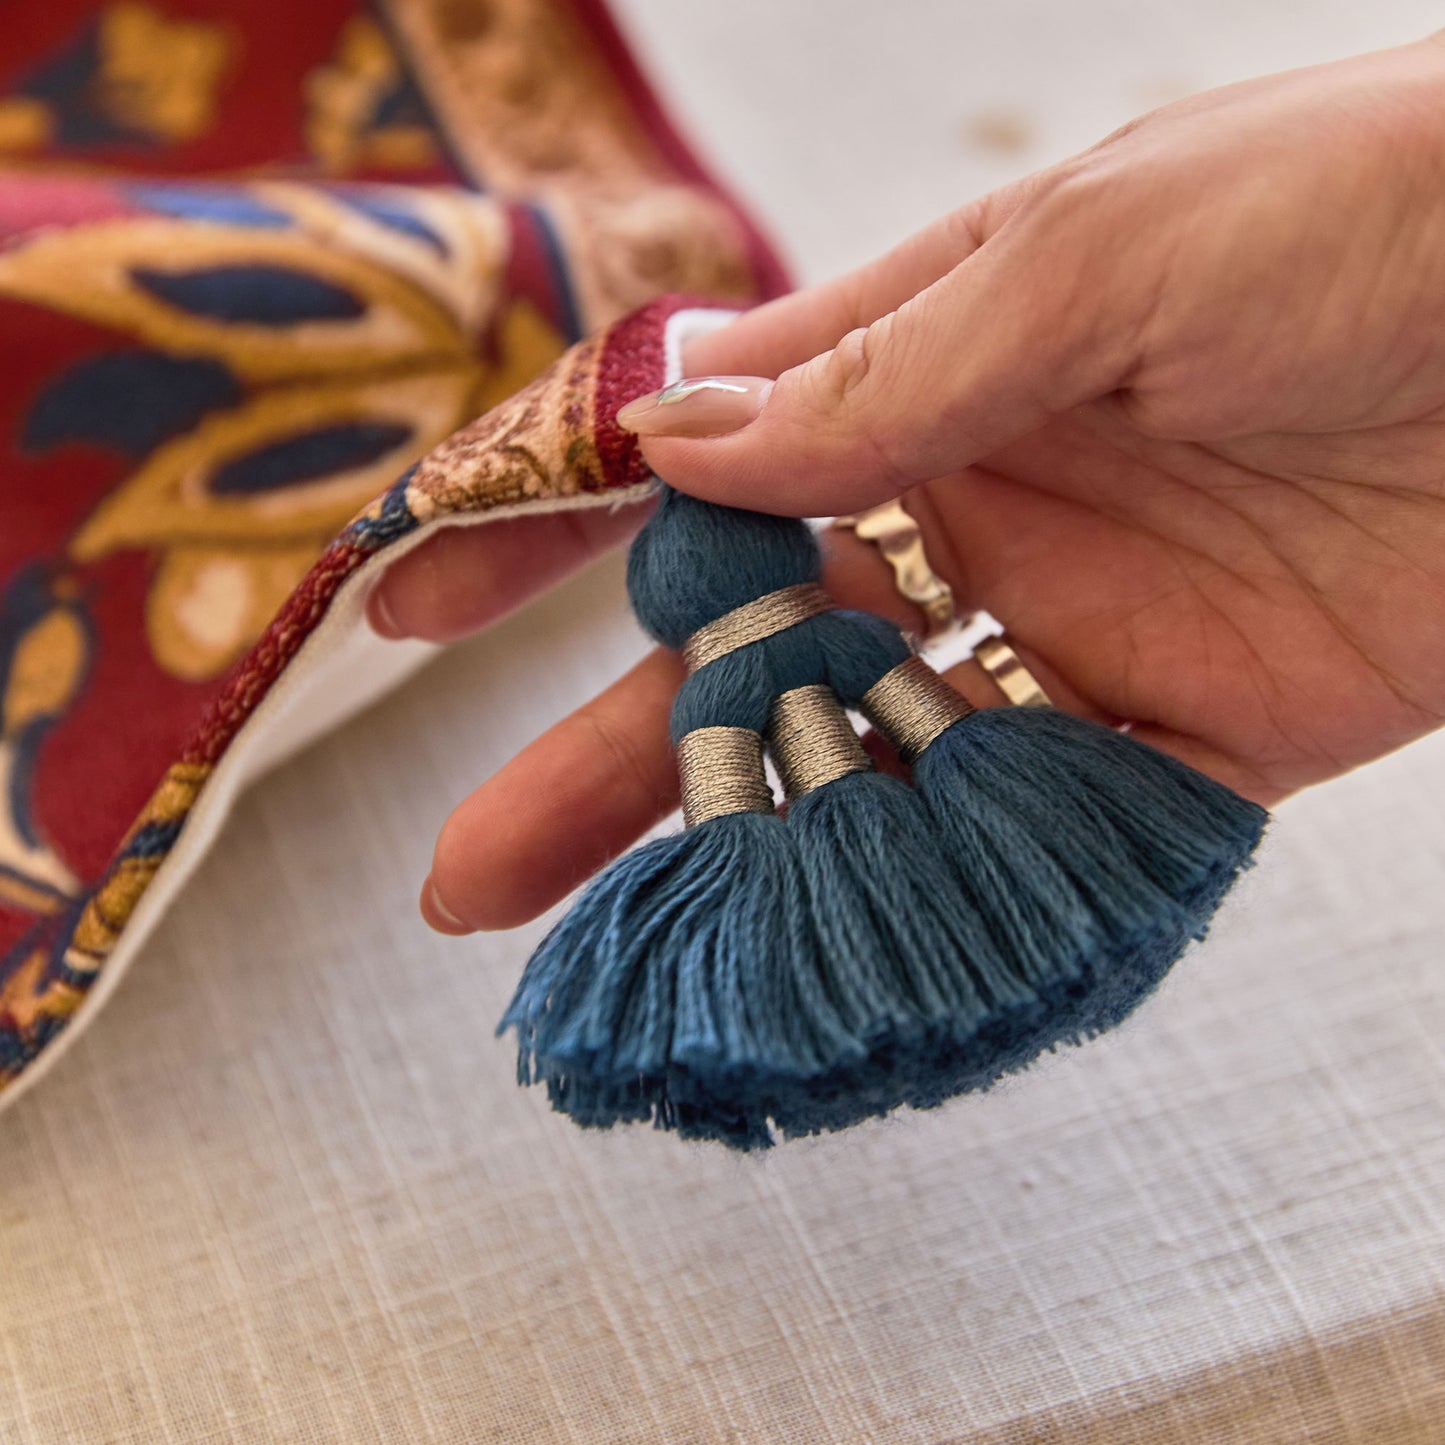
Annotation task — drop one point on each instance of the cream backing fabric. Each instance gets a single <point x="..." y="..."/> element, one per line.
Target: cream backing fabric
<point x="285" y="1189"/>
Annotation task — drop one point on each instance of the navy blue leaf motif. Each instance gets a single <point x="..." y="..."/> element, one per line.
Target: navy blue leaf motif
<point x="129" y="400"/>
<point x="263" y="295"/>
<point x="308" y="456"/>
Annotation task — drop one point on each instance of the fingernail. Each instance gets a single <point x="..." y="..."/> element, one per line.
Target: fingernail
<point x="701" y="406"/>
<point x="379" y="614"/>
<point x="438" y="915"/>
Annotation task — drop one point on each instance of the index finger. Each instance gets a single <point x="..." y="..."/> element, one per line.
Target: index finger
<point x="795" y="328"/>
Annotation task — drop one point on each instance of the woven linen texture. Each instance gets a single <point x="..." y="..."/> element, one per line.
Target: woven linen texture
<point x="286" y="1189"/>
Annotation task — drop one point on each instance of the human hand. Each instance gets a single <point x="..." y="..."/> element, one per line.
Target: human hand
<point x="1172" y="410"/>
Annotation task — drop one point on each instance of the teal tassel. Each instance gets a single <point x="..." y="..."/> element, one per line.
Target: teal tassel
<point x="883" y="945"/>
<point x="683" y="987"/>
<point x="1094" y="858"/>
<point x="919" y="983"/>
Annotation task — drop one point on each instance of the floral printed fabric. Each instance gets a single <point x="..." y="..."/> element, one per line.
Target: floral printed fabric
<point x="256" y="259"/>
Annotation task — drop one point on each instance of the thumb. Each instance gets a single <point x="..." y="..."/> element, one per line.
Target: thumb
<point x="1038" y="320"/>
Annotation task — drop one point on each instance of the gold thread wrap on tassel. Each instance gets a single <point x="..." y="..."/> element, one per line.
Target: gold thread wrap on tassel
<point x="812" y="741"/>
<point x="911" y="705"/>
<point x="754" y="621"/>
<point x="721" y="772"/>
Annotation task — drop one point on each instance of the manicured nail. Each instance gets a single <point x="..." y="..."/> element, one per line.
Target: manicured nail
<point x="701" y="406"/>
<point x="438" y="915"/>
<point x="379" y="614"/>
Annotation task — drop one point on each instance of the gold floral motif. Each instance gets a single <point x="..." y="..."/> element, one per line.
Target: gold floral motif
<point x="46" y="668"/>
<point x="156" y="75"/>
<point x="153" y="77"/>
<point x="342" y="101"/>
<point x="23" y="1002"/>
<point x="423" y="354"/>
<point x="204" y="598"/>
<point x="25" y="124"/>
